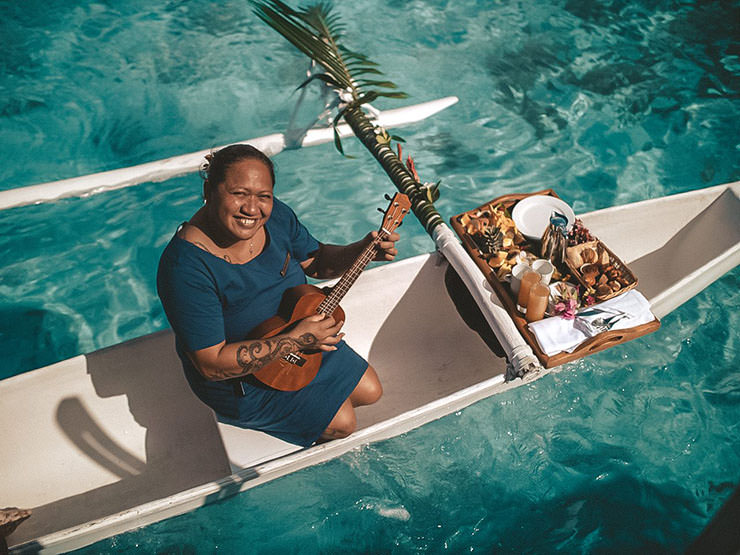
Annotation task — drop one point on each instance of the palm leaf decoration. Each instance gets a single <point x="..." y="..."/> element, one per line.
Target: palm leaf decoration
<point x="318" y="32"/>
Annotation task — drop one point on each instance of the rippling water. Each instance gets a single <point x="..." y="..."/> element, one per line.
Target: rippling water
<point x="629" y="450"/>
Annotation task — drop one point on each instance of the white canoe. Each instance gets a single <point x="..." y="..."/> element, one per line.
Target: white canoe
<point x="110" y="441"/>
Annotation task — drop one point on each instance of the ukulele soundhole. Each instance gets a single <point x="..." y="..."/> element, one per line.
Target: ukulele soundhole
<point x="294" y="358"/>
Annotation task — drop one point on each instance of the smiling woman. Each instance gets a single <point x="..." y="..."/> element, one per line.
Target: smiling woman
<point x="225" y="271"/>
<point x="238" y="196"/>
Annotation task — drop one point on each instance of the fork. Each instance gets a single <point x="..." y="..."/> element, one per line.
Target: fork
<point x="605" y="324"/>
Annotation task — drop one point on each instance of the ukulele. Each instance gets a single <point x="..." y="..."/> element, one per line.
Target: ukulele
<point x="296" y="370"/>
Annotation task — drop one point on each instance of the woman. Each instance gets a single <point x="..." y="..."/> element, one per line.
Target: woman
<point x="225" y="271"/>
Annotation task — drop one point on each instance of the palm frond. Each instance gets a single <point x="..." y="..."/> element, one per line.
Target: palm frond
<point x="317" y="31"/>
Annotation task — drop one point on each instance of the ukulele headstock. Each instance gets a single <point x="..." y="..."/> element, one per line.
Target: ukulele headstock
<point x="395" y="213"/>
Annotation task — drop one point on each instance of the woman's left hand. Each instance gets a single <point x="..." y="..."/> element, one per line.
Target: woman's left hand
<point x="332" y="261"/>
<point x="387" y="250"/>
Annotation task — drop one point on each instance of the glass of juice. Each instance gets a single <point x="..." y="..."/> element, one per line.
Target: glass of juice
<point x="539" y="294"/>
<point x="529" y="279"/>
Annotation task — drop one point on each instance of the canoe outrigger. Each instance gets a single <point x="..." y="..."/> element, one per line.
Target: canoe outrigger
<point x="92" y="451"/>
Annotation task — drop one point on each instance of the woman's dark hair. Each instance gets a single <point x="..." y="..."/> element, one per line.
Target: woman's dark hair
<point x="213" y="171"/>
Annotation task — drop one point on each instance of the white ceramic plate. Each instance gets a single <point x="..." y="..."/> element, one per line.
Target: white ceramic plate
<point x="532" y="214"/>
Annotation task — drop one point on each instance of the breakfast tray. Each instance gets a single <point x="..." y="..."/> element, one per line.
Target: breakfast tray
<point x="592" y="345"/>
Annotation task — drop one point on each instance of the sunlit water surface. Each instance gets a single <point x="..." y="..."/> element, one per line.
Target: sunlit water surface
<point x="631" y="450"/>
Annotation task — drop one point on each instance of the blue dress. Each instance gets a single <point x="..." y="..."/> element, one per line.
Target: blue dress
<point x="208" y="300"/>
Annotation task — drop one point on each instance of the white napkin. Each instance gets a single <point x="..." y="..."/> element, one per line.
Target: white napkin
<point x="557" y="334"/>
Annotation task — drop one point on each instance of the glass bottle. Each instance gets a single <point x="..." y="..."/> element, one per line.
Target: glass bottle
<point x="554" y="240"/>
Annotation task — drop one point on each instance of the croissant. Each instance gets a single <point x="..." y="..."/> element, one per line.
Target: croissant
<point x="589" y="255"/>
<point x="578" y="255"/>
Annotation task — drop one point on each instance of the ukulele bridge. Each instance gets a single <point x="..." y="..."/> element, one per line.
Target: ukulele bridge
<point x="294" y="358"/>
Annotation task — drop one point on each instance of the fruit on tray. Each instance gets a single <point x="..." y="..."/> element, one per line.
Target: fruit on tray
<point x="579" y="234"/>
<point x="495" y="236"/>
<point x="490" y="240"/>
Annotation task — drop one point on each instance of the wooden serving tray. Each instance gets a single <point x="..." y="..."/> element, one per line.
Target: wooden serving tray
<point x="592" y="345"/>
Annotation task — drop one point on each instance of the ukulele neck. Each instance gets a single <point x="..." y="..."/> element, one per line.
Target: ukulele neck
<point x="331" y="302"/>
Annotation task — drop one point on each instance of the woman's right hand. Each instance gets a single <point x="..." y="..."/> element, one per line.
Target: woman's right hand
<point x="317" y="331"/>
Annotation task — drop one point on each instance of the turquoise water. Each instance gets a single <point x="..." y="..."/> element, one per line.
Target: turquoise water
<point x="630" y="450"/>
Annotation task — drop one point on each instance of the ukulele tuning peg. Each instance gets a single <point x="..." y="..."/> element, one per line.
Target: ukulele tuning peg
<point x="388" y="197"/>
<point x="381" y="210"/>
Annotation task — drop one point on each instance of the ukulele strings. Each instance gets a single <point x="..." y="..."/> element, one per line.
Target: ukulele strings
<point x="330" y="303"/>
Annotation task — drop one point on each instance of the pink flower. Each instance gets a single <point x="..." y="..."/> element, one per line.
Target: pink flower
<point x="566" y="309"/>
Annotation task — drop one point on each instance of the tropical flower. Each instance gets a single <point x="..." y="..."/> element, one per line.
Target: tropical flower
<point x="566" y="309"/>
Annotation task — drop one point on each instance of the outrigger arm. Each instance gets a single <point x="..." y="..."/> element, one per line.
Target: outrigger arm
<point x="294" y="135"/>
<point x="521" y="360"/>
